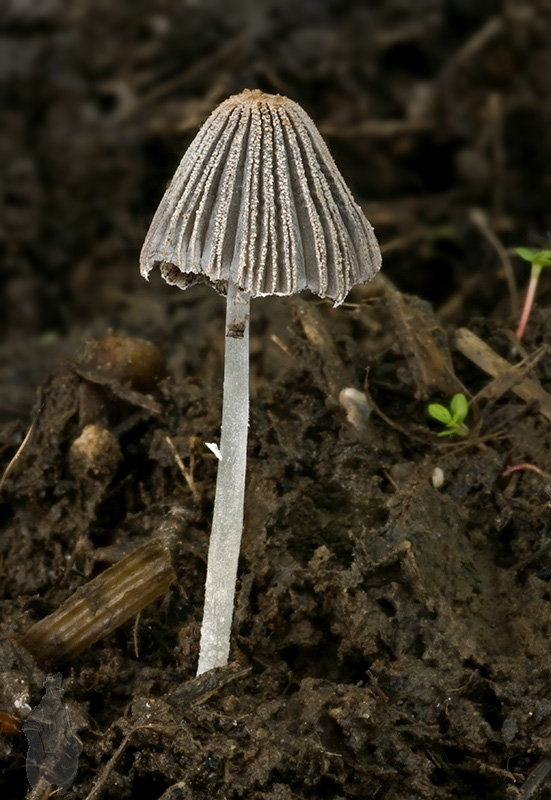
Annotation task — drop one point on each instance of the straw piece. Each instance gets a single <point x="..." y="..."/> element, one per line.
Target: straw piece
<point x="102" y="604"/>
<point x="484" y="357"/>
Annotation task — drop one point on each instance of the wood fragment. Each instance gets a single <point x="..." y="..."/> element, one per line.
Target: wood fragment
<point x="199" y="689"/>
<point x="335" y="373"/>
<point x="511" y="376"/>
<point x="10" y="725"/>
<point x="122" y="392"/>
<point x="103" y="604"/>
<point x="331" y="374"/>
<point x="423" y="343"/>
<point x="535" y="778"/>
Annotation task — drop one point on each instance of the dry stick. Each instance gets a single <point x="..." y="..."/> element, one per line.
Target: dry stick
<point x="484" y="357"/>
<point x="480" y="220"/>
<point x="480" y="38"/>
<point x="187" y="473"/>
<point x="107" y="770"/>
<point x="20" y="449"/>
<point x="227" y="521"/>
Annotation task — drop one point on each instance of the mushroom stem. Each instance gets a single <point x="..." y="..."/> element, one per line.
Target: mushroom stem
<point x="227" y="521"/>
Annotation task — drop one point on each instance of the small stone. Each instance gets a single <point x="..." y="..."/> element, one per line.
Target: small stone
<point x="96" y="454"/>
<point x="437" y="478"/>
<point x="356" y="406"/>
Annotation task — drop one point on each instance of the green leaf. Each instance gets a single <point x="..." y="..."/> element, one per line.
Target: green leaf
<point x="459" y="407"/>
<point x="542" y="259"/>
<point x="440" y="413"/>
<point x="526" y="253"/>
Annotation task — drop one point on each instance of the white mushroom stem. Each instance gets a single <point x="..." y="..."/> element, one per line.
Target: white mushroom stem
<point x="227" y="522"/>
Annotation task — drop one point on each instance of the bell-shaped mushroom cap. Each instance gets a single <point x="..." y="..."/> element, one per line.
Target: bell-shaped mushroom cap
<point x="258" y="200"/>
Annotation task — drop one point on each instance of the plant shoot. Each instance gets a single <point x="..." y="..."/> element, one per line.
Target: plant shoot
<point x="453" y="418"/>
<point x="539" y="259"/>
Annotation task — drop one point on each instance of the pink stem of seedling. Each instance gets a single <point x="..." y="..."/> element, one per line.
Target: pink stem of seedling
<point x="534" y="277"/>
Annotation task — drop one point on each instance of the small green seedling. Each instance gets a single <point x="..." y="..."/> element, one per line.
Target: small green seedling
<point x="539" y="259"/>
<point x="452" y="417"/>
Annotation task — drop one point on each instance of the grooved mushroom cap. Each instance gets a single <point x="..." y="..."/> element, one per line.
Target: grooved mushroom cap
<point x="257" y="199"/>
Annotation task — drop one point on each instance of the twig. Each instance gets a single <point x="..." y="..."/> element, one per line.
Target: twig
<point x="100" y="783"/>
<point x="408" y="434"/>
<point x="282" y="346"/>
<point x="481" y="221"/>
<point x="488" y="31"/>
<point x="20" y="449"/>
<point x="187" y="473"/>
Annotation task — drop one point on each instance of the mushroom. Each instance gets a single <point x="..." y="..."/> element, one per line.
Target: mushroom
<point x="257" y="207"/>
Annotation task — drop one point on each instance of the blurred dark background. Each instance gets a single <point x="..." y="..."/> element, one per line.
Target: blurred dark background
<point x="435" y="111"/>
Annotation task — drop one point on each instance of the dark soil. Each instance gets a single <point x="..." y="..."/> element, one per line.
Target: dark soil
<point x="391" y="636"/>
